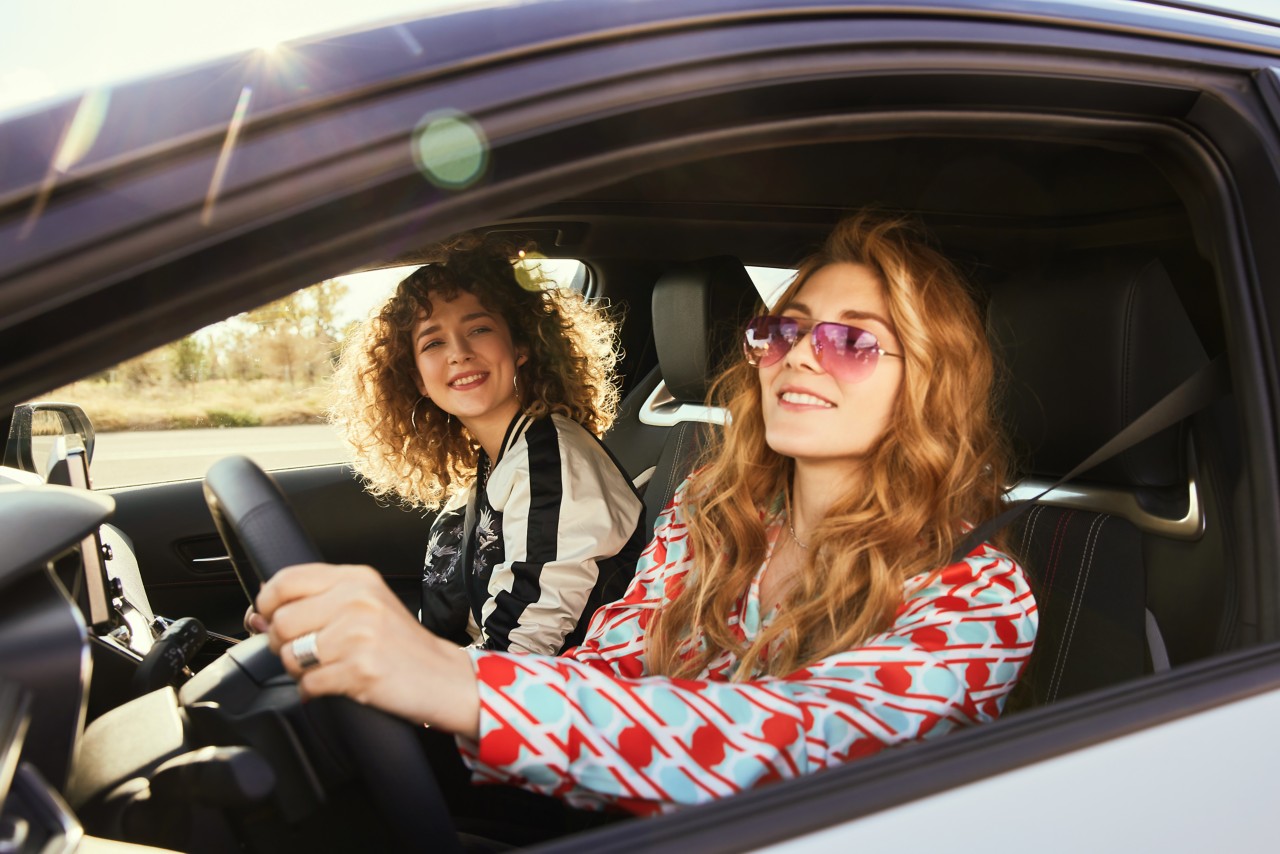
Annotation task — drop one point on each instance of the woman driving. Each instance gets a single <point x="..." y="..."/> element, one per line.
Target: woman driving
<point x="798" y="607"/>
<point x="482" y="395"/>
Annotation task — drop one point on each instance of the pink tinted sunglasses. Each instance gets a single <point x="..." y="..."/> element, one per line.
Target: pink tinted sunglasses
<point x="848" y="353"/>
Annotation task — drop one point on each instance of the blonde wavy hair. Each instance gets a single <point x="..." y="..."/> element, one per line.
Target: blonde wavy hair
<point x="940" y="464"/>
<point x="405" y="446"/>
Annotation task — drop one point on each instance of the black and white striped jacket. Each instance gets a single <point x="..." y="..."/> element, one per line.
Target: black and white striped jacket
<point x="554" y="533"/>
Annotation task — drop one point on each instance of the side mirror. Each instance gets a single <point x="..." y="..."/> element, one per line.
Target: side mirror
<point x="42" y="423"/>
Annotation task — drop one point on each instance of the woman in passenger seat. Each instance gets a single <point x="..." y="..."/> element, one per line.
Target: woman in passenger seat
<point x="799" y="607"/>
<point x="481" y="396"/>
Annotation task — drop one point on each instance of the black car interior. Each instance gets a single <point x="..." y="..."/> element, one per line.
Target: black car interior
<point x="698" y="309"/>
<point x="1092" y="254"/>
<point x="1120" y="340"/>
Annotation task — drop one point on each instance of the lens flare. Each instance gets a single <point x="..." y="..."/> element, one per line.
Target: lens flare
<point x="224" y="156"/>
<point x="80" y="135"/>
<point x="410" y="43"/>
<point x="83" y="130"/>
<point x="450" y="149"/>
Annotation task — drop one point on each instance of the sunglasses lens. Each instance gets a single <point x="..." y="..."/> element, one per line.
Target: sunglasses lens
<point x="846" y="352"/>
<point x="768" y="339"/>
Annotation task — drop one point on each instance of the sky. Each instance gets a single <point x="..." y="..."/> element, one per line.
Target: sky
<point x="52" y="48"/>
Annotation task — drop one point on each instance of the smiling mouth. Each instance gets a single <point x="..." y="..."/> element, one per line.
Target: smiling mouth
<point x="468" y="381"/>
<point x="799" y="399"/>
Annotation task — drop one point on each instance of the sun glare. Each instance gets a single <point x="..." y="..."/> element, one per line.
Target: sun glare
<point x="104" y="44"/>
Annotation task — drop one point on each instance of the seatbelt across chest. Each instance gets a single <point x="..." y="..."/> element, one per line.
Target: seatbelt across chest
<point x="1205" y="386"/>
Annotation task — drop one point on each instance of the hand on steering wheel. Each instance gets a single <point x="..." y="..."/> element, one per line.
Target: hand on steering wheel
<point x="263" y="536"/>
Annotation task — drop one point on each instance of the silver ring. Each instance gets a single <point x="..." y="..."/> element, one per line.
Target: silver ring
<point x="304" y="650"/>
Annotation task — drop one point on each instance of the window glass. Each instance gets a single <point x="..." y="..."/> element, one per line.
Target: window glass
<point x="770" y="282"/>
<point x="255" y="384"/>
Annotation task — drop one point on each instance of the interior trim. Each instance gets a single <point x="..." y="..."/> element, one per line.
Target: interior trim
<point x="662" y="410"/>
<point x="46" y="809"/>
<point x="1122" y="503"/>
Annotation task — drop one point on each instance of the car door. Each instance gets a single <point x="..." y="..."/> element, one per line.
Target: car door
<point x="786" y="78"/>
<point x="184" y="563"/>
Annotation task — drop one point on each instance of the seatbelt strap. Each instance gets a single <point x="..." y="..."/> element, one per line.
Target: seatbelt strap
<point x="1208" y="384"/>
<point x="1155" y="644"/>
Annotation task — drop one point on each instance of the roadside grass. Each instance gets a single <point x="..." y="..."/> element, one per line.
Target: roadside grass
<point x="116" y="406"/>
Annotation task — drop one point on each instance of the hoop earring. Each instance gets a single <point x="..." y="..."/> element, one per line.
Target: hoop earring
<point x="413" y="413"/>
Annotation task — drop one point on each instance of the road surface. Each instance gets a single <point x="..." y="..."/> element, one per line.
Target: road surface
<point x="127" y="459"/>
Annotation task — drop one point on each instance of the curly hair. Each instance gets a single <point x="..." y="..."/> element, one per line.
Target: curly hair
<point x="940" y="465"/>
<point x="409" y="448"/>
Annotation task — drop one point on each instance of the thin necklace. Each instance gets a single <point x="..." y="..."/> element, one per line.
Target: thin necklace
<point x="790" y="526"/>
<point x="794" y="537"/>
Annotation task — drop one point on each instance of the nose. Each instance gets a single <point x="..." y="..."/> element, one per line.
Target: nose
<point x="801" y="354"/>
<point x="460" y="350"/>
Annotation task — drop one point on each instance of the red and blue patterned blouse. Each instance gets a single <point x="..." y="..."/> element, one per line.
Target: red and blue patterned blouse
<point x="593" y="728"/>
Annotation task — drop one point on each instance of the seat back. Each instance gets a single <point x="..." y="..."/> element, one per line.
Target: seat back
<point x="699" y="310"/>
<point x="1091" y="343"/>
<point x="1087" y="571"/>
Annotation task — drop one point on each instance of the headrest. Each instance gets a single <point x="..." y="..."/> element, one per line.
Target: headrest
<point x="699" y="310"/>
<point x="1091" y="342"/>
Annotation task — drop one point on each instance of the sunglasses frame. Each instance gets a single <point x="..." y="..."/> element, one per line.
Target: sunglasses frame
<point x="804" y="327"/>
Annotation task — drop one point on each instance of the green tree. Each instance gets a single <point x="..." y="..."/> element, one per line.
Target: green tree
<point x="326" y="297"/>
<point x="296" y="338"/>
<point x="279" y="332"/>
<point x="187" y="360"/>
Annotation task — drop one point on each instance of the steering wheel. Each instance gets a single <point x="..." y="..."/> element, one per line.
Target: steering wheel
<point x="263" y="535"/>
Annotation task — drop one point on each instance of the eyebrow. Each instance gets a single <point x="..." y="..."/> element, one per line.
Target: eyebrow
<point x="466" y="318"/>
<point x="847" y="314"/>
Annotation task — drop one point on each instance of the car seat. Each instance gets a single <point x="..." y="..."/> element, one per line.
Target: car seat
<point x="1090" y="343"/>
<point x="699" y="310"/>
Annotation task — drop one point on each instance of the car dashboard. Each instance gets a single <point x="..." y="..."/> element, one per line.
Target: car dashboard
<point x="78" y="638"/>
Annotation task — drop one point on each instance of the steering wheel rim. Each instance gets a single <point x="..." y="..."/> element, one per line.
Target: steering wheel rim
<point x="263" y="535"/>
